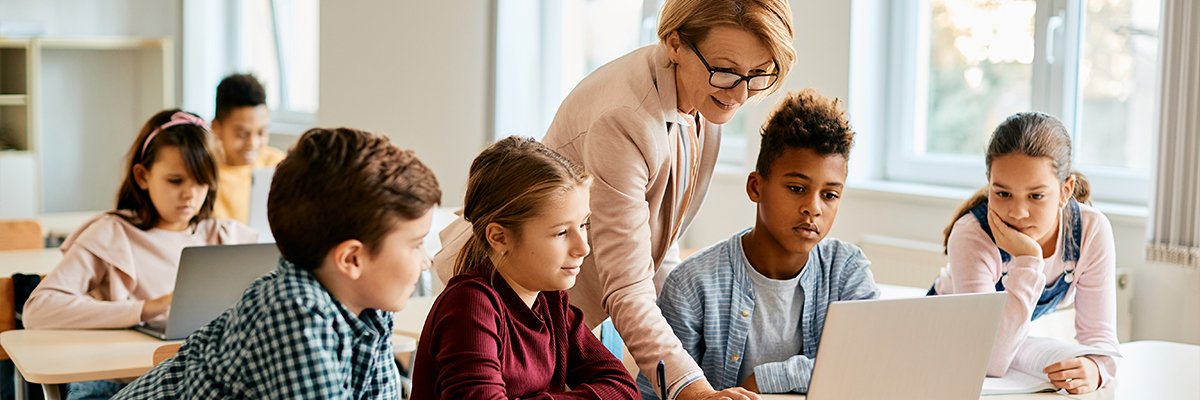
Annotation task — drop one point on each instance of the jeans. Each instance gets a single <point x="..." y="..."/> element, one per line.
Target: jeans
<point x="93" y="390"/>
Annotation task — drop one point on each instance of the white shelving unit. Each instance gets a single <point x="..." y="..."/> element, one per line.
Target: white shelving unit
<point x="69" y="109"/>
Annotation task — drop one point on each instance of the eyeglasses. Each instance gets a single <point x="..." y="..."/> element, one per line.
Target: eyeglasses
<point x="729" y="80"/>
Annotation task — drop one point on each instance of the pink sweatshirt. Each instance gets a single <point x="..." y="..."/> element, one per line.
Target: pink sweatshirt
<point x="975" y="267"/>
<point x="111" y="267"/>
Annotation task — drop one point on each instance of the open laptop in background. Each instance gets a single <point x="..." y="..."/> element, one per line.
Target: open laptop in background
<point x="210" y="280"/>
<point x="925" y="348"/>
<point x="260" y="187"/>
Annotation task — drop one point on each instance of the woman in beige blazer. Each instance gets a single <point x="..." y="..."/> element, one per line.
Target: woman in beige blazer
<point x="647" y="127"/>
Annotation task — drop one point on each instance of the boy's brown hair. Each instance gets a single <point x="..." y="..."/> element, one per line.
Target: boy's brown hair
<point x="341" y="184"/>
<point x="805" y="120"/>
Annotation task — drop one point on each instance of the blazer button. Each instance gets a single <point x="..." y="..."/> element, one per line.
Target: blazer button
<point x="745" y="313"/>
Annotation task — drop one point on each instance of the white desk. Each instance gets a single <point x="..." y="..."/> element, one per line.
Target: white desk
<point x="1151" y="370"/>
<point x="40" y="261"/>
<point x="52" y="357"/>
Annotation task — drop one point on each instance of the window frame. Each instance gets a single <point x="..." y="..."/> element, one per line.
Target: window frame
<point x="1052" y="85"/>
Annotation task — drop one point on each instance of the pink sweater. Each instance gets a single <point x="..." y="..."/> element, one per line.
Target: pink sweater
<point x="975" y="267"/>
<point x="111" y="267"/>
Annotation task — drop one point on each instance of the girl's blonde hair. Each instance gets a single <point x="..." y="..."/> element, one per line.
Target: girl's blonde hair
<point x="1031" y="134"/>
<point x="509" y="183"/>
<point x="769" y="20"/>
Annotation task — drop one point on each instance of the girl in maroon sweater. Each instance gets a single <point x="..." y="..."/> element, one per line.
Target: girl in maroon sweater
<point x="504" y="328"/>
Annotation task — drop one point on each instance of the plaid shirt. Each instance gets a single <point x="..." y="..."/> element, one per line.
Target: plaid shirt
<point x="287" y="338"/>
<point x="709" y="300"/>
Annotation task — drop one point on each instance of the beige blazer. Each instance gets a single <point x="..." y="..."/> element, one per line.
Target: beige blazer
<point x="619" y="124"/>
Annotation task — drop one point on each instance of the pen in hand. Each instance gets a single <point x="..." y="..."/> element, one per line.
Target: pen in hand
<point x="662" y="379"/>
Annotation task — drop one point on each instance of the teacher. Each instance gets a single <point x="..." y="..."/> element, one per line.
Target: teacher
<point x="647" y="127"/>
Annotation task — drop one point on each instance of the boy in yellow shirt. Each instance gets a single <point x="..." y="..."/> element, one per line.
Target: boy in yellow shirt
<point x="241" y="125"/>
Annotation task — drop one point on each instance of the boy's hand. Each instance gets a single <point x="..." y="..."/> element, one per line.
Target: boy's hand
<point x="702" y="390"/>
<point x="1077" y="375"/>
<point x="156" y="307"/>
<point x="1011" y="240"/>
<point x="750" y="383"/>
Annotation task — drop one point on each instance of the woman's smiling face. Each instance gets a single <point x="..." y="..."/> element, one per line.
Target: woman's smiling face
<point x="725" y="48"/>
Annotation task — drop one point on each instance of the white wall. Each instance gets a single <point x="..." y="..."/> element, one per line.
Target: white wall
<point x="418" y="71"/>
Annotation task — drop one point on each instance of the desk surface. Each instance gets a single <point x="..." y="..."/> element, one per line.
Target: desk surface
<point x="62" y="356"/>
<point x="40" y="261"/>
<point x="1150" y="370"/>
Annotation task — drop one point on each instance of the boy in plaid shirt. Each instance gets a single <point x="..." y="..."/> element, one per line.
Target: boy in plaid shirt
<point x="349" y="211"/>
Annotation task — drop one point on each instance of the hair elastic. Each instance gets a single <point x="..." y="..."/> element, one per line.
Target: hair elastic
<point x="179" y="118"/>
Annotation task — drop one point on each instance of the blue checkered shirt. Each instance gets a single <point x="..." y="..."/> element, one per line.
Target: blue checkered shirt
<point x="709" y="301"/>
<point x="287" y="338"/>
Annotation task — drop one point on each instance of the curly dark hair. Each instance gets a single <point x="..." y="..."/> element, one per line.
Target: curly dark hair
<point x="805" y="120"/>
<point x="238" y="90"/>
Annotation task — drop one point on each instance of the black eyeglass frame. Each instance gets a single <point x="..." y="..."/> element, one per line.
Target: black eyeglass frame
<point x="741" y="78"/>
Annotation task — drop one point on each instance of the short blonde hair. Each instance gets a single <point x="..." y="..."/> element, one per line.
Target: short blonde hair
<point x="769" y="20"/>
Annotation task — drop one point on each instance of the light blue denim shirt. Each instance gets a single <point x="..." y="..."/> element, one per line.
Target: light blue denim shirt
<point x="709" y="301"/>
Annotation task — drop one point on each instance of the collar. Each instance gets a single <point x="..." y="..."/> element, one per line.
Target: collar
<point x="371" y="322"/>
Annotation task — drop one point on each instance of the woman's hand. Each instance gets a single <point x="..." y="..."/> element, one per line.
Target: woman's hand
<point x="1077" y="375"/>
<point x="1011" y="240"/>
<point x="156" y="307"/>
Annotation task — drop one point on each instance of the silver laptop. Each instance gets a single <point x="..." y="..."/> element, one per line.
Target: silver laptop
<point x="210" y="280"/>
<point x="260" y="188"/>
<point x="926" y="348"/>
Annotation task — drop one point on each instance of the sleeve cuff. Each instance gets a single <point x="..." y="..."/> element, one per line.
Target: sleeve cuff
<point x="776" y="378"/>
<point x="683" y="381"/>
<point x="1108" y="369"/>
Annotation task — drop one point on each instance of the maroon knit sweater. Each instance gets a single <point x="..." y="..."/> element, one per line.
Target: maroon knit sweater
<point x="480" y="341"/>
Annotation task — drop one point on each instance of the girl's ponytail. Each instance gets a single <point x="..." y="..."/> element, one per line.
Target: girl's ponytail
<point x="1083" y="189"/>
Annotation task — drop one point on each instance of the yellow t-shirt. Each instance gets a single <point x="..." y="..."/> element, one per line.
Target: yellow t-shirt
<point x="233" y="189"/>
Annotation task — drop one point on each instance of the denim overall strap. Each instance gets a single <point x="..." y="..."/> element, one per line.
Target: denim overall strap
<point x="1071" y="242"/>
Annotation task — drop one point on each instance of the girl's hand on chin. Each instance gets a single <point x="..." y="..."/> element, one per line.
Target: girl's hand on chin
<point x="1011" y="240"/>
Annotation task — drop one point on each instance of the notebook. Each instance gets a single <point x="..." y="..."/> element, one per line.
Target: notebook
<point x="1025" y="375"/>
<point x="925" y="348"/>
<point x="210" y="280"/>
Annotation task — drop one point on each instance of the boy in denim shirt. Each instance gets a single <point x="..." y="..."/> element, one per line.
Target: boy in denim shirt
<point x="750" y="309"/>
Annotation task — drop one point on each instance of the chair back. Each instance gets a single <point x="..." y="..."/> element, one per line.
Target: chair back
<point x="21" y="234"/>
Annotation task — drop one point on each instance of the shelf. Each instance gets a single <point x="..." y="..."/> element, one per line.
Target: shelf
<point x="14" y="43"/>
<point x="107" y="43"/>
<point x="13" y="99"/>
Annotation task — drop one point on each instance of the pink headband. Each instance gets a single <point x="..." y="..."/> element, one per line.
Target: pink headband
<point x="179" y="118"/>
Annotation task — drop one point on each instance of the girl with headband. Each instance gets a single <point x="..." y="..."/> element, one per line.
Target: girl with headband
<point x="118" y="269"/>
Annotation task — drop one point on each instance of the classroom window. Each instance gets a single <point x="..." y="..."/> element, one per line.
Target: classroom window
<point x="279" y="44"/>
<point x="960" y="67"/>
<point x="544" y="48"/>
